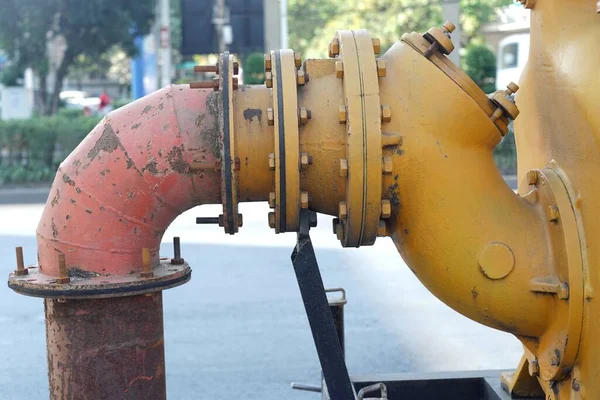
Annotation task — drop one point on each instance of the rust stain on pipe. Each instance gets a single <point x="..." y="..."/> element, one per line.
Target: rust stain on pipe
<point x="129" y="179"/>
<point x="106" y="348"/>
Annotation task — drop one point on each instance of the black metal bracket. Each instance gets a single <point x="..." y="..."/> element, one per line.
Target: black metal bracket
<point x="319" y="315"/>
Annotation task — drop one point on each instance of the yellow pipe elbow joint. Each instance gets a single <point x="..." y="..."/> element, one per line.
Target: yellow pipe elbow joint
<point x="401" y="146"/>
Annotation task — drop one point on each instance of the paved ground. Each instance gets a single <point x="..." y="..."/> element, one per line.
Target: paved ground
<point x="238" y="329"/>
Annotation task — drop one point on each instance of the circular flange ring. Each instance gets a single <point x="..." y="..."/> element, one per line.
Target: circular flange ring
<point x="231" y="220"/>
<point x="557" y="348"/>
<point x="287" y="142"/>
<point x="363" y="145"/>
<point x="89" y="285"/>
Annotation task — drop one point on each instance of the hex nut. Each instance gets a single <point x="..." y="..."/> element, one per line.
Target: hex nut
<point x="269" y="79"/>
<point x="533" y="176"/>
<point x="303" y="116"/>
<point x="272" y="220"/>
<point x="272" y="161"/>
<point x="376" y="45"/>
<point x="339" y="231"/>
<point x="297" y="60"/>
<point x="335" y="222"/>
<point x="339" y="69"/>
<point x="270" y="117"/>
<point x="304" y="199"/>
<point x="563" y="292"/>
<point x="215" y="84"/>
<point x="381" y="229"/>
<point x="386" y="209"/>
<point x="342" y="114"/>
<point x="343" y="210"/>
<point x="334" y="48"/>
<point x="305" y="161"/>
<point x="272" y="200"/>
<point x="387" y="165"/>
<point x="534" y="367"/>
<point x="300" y="78"/>
<point x="553" y="214"/>
<point x="381" y="69"/>
<point x="268" y="62"/>
<point x="386" y="113"/>
<point x="343" y="167"/>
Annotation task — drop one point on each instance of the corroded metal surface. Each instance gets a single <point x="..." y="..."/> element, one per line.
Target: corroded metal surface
<point x="88" y="285"/>
<point x="106" y="348"/>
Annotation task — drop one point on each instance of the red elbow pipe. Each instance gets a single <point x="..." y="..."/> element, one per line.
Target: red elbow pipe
<point x="129" y="179"/>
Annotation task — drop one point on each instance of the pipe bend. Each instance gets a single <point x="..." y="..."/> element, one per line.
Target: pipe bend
<point x="119" y="190"/>
<point x="468" y="237"/>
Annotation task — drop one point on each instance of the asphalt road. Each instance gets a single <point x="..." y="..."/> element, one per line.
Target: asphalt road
<point x="238" y="329"/>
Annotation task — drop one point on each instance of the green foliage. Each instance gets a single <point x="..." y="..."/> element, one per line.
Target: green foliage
<point x="479" y="63"/>
<point x="11" y="75"/>
<point x="505" y="154"/>
<point x="31" y="150"/>
<point x="313" y="23"/>
<point x="85" y="29"/>
<point x="253" y="68"/>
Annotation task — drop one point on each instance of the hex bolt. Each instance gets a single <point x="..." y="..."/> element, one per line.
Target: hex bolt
<point x="342" y="114"/>
<point x="240" y="220"/>
<point x="343" y="167"/>
<point x="533" y="176"/>
<point x="215" y="84"/>
<point x="386" y="113"/>
<point x="343" y="210"/>
<point x="207" y="68"/>
<point x="21" y="270"/>
<point x="334" y="48"/>
<point x="300" y="78"/>
<point x="269" y="79"/>
<point x="146" y="268"/>
<point x="511" y="88"/>
<point x="272" y="161"/>
<point x="448" y="27"/>
<point x="339" y="69"/>
<point x="381" y="69"/>
<point x="176" y="260"/>
<point x="268" y="62"/>
<point x="305" y="161"/>
<point x="272" y="220"/>
<point x="207" y="220"/>
<point x="304" y="199"/>
<point x="62" y="270"/>
<point x="272" y="200"/>
<point x="376" y="45"/>
<point x="203" y="85"/>
<point x="387" y="165"/>
<point x="270" y="117"/>
<point x="386" y="209"/>
<point x="297" y="60"/>
<point x="553" y="214"/>
<point x="534" y="367"/>
<point x="303" y="115"/>
<point x="381" y="229"/>
<point x="563" y="291"/>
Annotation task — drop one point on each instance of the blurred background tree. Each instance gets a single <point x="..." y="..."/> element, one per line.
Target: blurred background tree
<point x="86" y="30"/>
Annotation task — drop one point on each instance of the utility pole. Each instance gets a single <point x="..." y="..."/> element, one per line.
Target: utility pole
<point x="165" y="43"/>
<point x="452" y="14"/>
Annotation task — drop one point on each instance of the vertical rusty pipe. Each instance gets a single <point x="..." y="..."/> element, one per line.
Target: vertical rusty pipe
<point x="106" y="348"/>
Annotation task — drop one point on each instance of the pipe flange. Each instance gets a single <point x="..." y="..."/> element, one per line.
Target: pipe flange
<point x="91" y="285"/>
<point x="557" y="348"/>
<point x="230" y="220"/>
<point x="362" y="114"/>
<point x="286" y="157"/>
